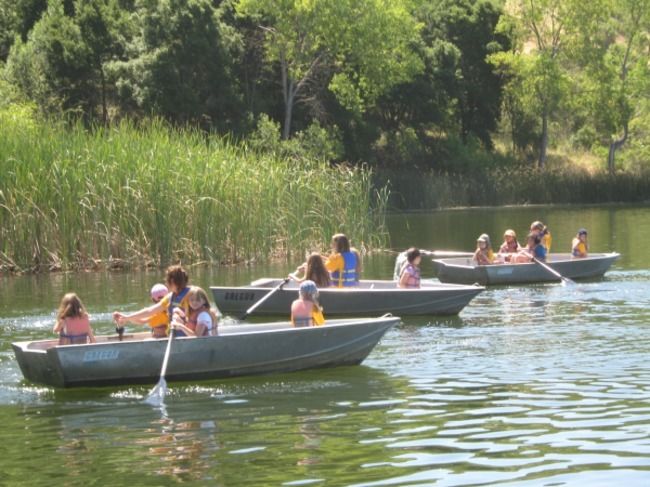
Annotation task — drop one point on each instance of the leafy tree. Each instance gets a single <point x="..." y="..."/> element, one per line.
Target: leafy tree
<point x="357" y="48"/>
<point x="53" y="67"/>
<point x="539" y="28"/>
<point x="180" y="63"/>
<point x="611" y="50"/>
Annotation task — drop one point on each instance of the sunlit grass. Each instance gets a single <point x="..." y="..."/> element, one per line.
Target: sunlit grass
<point x="150" y="195"/>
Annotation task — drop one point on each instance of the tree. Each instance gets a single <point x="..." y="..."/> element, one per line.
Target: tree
<point x="539" y="28"/>
<point x="180" y="64"/>
<point x="611" y="49"/>
<point x="357" y="48"/>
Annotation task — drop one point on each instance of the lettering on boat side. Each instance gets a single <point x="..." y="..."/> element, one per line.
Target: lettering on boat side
<point x="97" y="355"/>
<point x="240" y="296"/>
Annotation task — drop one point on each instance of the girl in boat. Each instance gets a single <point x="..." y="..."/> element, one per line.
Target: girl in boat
<point x="484" y="255"/>
<point x="73" y="322"/>
<point x="410" y="273"/>
<point x="344" y="264"/>
<point x="305" y="311"/>
<point x="543" y="233"/>
<point x="533" y="250"/>
<point x="201" y="321"/>
<point x="510" y="244"/>
<point x="314" y="270"/>
<point x="177" y="280"/>
<point x="580" y="246"/>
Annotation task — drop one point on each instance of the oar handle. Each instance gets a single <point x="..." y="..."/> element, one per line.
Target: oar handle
<point x="264" y="298"/>
<point x="163" y="370"/>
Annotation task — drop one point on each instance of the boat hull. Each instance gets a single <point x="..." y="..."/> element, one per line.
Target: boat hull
<point x="236" y="351"/>
<point x="370" y="297"/>
<point x="465" y="271"/>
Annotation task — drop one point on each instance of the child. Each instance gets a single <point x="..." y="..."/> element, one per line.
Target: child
<point x="201" y="322"/>
<point x="73" y="322"/>
<point x="314" y="271"/>
<point x="484" y="254"/>
<point x="159" y="322"/>
<point x="579" y="246"/>
<point x="544" y="234"/>
<point x="533" y="250"/>
<point x="305" y="311"/>
<point x="510" y="244"/>
<point x="410" y="274"/>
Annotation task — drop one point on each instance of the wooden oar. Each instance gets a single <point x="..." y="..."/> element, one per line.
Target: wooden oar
<point x="264" y="298"/>
<point x="565" y="280"/>
<point x="157" y="395"/>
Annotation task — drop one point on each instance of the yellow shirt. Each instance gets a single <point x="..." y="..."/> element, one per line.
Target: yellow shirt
<point x="546" y="241"/>
<point x="159" y="319"/>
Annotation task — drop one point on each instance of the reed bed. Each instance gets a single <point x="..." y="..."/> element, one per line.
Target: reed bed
<point x="150" y="195"/>
<point x="412" y="189"/>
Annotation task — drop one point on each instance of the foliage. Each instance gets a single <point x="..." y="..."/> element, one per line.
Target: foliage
<point x="357" y="61"/>
<point x="151" y="195"/>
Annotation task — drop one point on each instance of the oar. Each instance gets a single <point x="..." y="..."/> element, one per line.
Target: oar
<point x="565" y="280"/>
<point x="447" y="253"/>
<point x="157" y="395"/>
<point x="266" y="296"/>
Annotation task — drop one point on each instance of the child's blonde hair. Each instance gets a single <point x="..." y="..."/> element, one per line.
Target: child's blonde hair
<point x="71" y="306"/>
<point x="196" y="291"/>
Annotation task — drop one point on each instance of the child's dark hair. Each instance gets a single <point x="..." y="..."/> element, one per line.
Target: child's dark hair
<point x="535" y="236"/>
<point x="342" y="243"/>
<point x="176" y="275"/>
<point x="412" y="254"/>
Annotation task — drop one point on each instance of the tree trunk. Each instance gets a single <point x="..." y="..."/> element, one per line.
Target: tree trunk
<point x="104" y="107"/>
<point x="288" y="111"/>
<point x="613" y="147"/>
<point x="541" y="162"/>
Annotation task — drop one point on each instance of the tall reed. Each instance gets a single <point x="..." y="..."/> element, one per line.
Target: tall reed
<point x="152" y="195"/>
<point x="412" y="189"/>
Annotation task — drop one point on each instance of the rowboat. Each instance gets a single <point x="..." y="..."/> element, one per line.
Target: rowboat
<point x="466" y="271"/>
<point x="236" y="351"/>
<point x="369" y="297"/>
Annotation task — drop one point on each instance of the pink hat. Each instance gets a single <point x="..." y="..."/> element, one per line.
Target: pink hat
<point x="159" y="291"/>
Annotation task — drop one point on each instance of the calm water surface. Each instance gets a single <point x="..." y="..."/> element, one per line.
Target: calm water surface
<point x="534" y="385"/>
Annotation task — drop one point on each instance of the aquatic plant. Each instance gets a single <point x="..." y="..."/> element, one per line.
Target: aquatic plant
<point x="150" y="194"/>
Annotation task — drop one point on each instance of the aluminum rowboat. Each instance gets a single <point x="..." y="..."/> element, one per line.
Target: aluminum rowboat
<point x="369" y="298"/>
<point x="466" y="271"/>
<point x="238" y="350"/>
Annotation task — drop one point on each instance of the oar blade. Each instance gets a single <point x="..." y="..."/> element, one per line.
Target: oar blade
<point x="157" y="395"/>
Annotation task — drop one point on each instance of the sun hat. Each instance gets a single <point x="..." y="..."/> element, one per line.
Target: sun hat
<point x="309" y="288"/>
<point x="510" y="232"/>
<point x="159" y="291"/>
<point x="484" y="237"/>
<point x="582" y="231"/>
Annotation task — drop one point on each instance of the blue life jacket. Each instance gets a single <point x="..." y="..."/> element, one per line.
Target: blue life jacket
<point x="348" y="277"/>
<point x="540" y="252"/>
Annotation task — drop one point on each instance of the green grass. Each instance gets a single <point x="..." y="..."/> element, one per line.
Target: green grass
<point x="514" y="186"/>
<point x="151" y="195"/>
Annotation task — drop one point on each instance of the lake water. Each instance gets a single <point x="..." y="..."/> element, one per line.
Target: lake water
<point x="531" y="385"/>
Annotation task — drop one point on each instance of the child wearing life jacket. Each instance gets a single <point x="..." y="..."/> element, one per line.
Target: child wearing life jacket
<point x="410" y="274"/>
<point x="580" y="246"/>
<point x="72" y="322"/>
<point x="543" y="233"/>
<point x="344" y="263"/>
<point x="177" y="282"/>
<point x="201" y="320"/>
<point x="305" y="311"/>
<point x="484" y="255"/>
